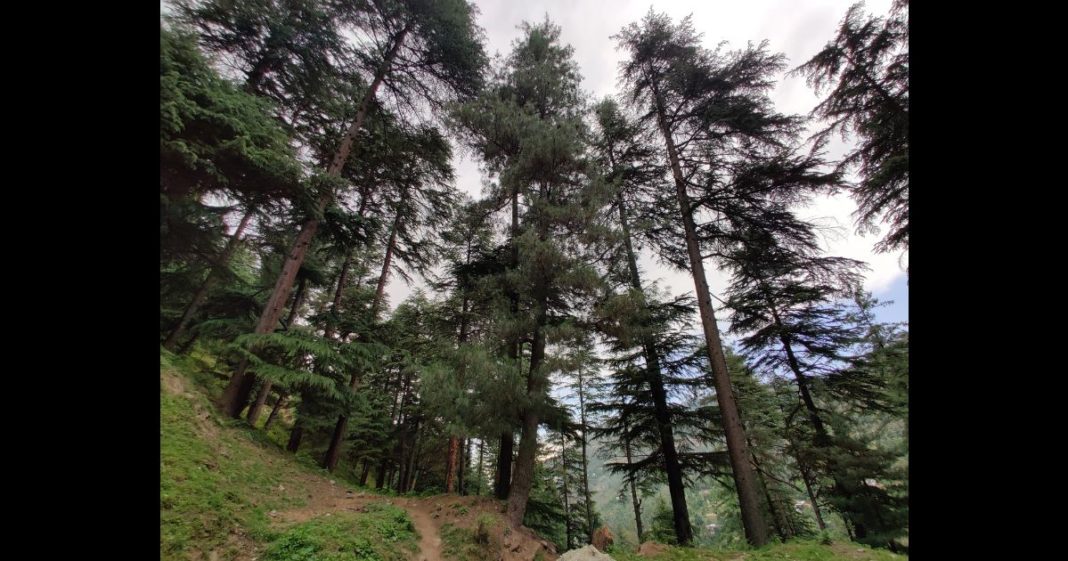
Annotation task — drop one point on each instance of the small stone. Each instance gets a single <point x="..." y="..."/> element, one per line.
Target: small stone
<point x="332" y="481"/>
<point x="273" y="513"/>
<point x="281" y="487"/>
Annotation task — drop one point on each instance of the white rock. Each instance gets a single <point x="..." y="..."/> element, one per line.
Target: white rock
<point x="586" y="553"/>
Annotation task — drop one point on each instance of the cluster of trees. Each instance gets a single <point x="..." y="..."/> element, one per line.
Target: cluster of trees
<point x="305" y="159"/>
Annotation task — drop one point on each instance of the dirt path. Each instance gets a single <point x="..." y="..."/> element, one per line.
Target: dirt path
<point x="325" y="497"/>
<point x="429" y="536"/>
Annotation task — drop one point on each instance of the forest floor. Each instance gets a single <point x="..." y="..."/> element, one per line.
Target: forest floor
<point x="229" y="492"/>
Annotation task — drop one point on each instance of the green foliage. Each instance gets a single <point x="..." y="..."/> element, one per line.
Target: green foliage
<point x="865" y="71"/>
<point x="662" y="529"/>
<point x="380" y="533"/>
<point x="212" y="135"/>
<point x="545" y="508"/>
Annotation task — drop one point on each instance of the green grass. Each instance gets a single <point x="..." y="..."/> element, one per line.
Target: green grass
<point x="792" y="551"/>
<point x="676" y="554"/>
<point x="383" y="533"/>
<point x="210" y="485"/>
<point x="466" y="544"/>
<point x="219" y="478"/>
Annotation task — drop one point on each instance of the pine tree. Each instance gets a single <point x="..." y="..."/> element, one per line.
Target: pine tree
<point x="535" y="106"/>
<point x="413" y="32"/>
<point x="866" y="70"/>
<point x="708" y="108"/>
<point x="631" y="170"/>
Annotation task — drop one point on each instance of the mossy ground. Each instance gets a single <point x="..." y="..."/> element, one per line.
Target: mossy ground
<point x="222" y="484"/>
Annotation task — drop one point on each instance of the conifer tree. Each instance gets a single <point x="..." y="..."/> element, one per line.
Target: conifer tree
<point x="865" y="71"/>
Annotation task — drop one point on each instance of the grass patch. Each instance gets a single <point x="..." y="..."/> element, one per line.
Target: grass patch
<point x="382" y="533"/>
<point x="673" y="553"/>
<point x="792" y="551"/>
<point x="483" y="543"/>
<point x="815" y="551"/>
<point x="216" y="487"/>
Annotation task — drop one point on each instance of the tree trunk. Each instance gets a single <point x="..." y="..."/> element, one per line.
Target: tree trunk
<point x="365" y="473"/>
<point x="274" y="411"/>
<point x="756" y="528"/>
<point x="503" y="484"/>
<point x="822" y="438"/>
<point x="523" y="478"/>
<point x="450" y="464"/>
<point x="410" y="483"/>
<point x="298" y="301"/>
<point x="633" y="486"/>
<point x="465" y="458"/>
<point x="812" y="499"/>
<point x="384" y="277"/>
<point x="331" y="328"/>
<point x="257" y="406"/>
<point x="481" y="450"/>
<point x="294" y="438"/>
<point x="202" y="292"/>
<point x="237" y="392"/>
<point x="504" y="451"/>
<point x="563" y="476"/>
<point x="380" y="477"/>
<point x="585" y="462"/>
<point x="680" y="512"/>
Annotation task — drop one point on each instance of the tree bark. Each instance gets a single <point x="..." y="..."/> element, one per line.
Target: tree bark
<point x="274" y="411"/>
<point x="365" y="473"/>
<point x="202" y="292"/>
<point x="812" y="499"/>
<point x="585" y="462"/>
<point x="563" y="476"/>
<point x="633" y="486"/>
<point x="481" y="450"/>
<point x="503" y="483"/>
<point x="294" y="438"/>
<point x="237" y="392"/>
<point x="822" y="438"/>
<point x="450" y="465"/>
<point x="504" y="451"/>
<point x="523" y="478"/>
<point x="386" y="262"/>
<point x="756" y="528"/>
<point x="331" y="328"/>
<point x="410" y="483"/>
<point x="265" y="390"/>
<point x="451" y="462"/>
<point x="380" y="477"/>
<point x="680" y="512"/>
<point x="465" y="458"/>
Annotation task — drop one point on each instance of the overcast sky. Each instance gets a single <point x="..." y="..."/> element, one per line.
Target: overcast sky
<point x="797" y="28"/>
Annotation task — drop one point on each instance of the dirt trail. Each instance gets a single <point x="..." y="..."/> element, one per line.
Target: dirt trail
<point x="325" y="497"/>
<point x="429" y="535"/>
